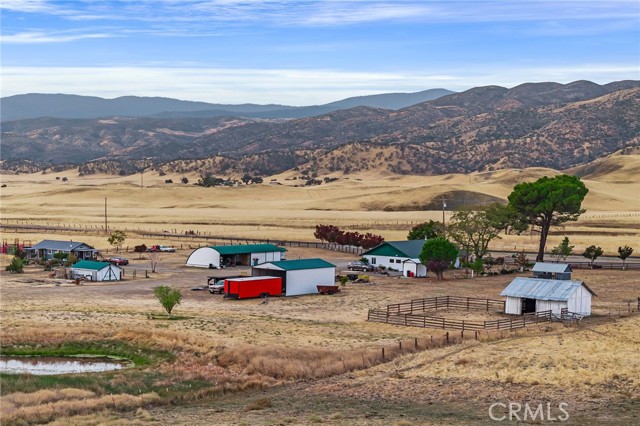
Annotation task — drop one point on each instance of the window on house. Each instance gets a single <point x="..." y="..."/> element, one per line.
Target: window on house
<point x="373" y="260"/>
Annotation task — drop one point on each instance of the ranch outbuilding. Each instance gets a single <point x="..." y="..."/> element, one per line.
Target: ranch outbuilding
<point x="301" y="276"/>
<point x="96" y="271"/>
<point x="214" y="257"/>
<point x="526" y="295"/>
<point x="557" y="271"/>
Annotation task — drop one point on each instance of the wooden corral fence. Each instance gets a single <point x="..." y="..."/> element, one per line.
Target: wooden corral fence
<point x="444" y="302"/>
<point x="414" y="314"/>
<point x="424" y="321"/>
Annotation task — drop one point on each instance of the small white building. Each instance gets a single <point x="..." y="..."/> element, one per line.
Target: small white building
<point x="556" y="271"/>
<point x="214" y="257"/>
<point x="526" y="295"/>
<point x="301" y="276"/>
<point x="96" y="271"/>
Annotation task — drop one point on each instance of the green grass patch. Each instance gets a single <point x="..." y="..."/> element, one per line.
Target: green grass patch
<point x="107" y="348"/>
<point x="133" y="381"/>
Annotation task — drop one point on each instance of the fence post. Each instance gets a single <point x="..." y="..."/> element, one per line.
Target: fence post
<point x="146" y="273"/>
<point x="383" y="354"/>
<point x="447" y="337"/>
<point x="416" y="342"/>
<point x="400" y="344"/>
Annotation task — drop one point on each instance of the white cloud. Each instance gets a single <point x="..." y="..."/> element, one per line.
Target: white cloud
<point x="44" y="37"/>
<point x="284" y="86"/>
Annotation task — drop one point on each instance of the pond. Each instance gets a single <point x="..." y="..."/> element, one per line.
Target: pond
<point x="47" y="365"/>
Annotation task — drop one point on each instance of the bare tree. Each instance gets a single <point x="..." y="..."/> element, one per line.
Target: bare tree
<point x="154" y="257"/>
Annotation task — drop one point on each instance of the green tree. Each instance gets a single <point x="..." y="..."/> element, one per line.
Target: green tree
<point x="562" y="250"/>
<point x="168" y="297"/>
<point x="426" y="230"/>
<point x="473" y="230"/>
<point x="116" y="239"/>
<point x="592" y="253"/>
<point x="16" y="266"/>
<point x="438" y="254"/>
<point x="624" y="253"/>
<point x="548" y="202"/>
<point x="504" y="218"/>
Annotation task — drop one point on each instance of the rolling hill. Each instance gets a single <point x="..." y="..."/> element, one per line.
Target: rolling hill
<point x="482" y="129"/>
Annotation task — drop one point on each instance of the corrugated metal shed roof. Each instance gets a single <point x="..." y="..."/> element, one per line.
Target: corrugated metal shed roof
<point x="89" y="264"/>
<point x="248" y="249"/>
<point x="294" y="265"/>
<point x="551" y="267"/>
<point x="543" y="289"/>
<point x="59" y="245"/>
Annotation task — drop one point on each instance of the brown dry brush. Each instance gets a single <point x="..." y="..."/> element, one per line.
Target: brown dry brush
<point x="43" y="413"/>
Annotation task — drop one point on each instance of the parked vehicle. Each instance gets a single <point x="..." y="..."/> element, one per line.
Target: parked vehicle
<point x="360" y="266"/>
<point x="249" y="287"/>
<point x="166" y="249"/>
<point x="119" y="261"/>
<point x="215" y="285"/>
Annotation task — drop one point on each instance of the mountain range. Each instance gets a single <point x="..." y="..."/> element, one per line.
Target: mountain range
<point x="36" y="105"/>
<point x="484" y="128"/>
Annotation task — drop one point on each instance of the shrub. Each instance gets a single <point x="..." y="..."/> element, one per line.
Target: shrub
<point x="16" y="266"/>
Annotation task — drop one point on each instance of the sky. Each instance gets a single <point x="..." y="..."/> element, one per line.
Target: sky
<point x="308" y="52"/>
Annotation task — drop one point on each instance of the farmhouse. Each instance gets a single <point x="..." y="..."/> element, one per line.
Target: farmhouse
<point x="96" y="271"/>
<point x="398" y="255"/>
<point x="47" y="248"/>
<point x="244" y="254"/>
<point x="526" y="295"/>
<point x="298" y="276"/>
<point x="558" y="271"/>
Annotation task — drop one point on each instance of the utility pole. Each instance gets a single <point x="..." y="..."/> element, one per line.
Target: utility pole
<point x="141" y="179"/>
<point x="105" y="215"/>
<point x="444" y="206"/>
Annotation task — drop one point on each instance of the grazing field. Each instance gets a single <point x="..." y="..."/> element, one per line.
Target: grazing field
<point x="309" y="359"/>
<point x="305" y="360"/>
<point x="386" y="205"/>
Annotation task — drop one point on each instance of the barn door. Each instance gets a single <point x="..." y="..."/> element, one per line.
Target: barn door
<point x="528" y="305"/>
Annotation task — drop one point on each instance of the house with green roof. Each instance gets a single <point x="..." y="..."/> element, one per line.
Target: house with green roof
<point x="400" y="256"/>
<point x="96" y="271"/>
<point x="214" y="257"/>
<point x="300" y="276"/>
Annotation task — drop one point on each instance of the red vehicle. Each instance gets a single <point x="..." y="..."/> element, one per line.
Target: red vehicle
<point x="248" y="287"/>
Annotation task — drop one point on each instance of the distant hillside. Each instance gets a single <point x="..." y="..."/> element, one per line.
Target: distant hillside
<point x="37" y="105"/>
<point x="482" y="129"/>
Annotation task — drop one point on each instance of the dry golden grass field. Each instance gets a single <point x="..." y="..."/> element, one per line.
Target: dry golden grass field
<point x="310" y="359"/>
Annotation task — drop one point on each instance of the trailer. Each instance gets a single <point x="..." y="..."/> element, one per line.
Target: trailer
<point x="328" y="289"/>
<point x="249" y="287"/>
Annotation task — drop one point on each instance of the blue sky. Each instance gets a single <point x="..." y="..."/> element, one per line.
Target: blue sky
<point x="309" y="52"/>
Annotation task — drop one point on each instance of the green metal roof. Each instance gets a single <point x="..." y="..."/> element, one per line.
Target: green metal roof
<point x="90" y="264"/>
<point x="247" y="249"/>
<point x="385" y="249"/>
<point x="293" y="265"/>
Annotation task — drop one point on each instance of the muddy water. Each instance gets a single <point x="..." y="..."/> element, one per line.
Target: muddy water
<point x="58" y="365"/>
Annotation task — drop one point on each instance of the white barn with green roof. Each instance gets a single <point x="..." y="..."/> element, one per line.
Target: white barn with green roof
<point x="96" y="271"/>
<point x="301" y="276"/>
<point x="214" y="257"/>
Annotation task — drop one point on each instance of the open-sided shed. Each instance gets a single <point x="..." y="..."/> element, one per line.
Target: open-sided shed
<point x="526" y="295"/>
<point x="96" y="271"/>
<point x="301" y="276"/>
<point x="240" y="254"/>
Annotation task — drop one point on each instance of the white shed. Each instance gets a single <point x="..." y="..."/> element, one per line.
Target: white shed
<point x="299" y="276"/>
<point x="96" y="271"/>
<point x="214" y="257"/>
<point x="526" y="295"/>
